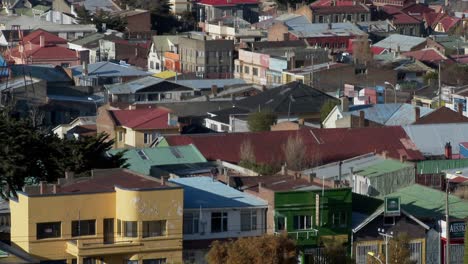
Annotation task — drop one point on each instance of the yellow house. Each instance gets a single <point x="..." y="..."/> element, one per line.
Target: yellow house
<point x="115" y="216"/>
<point x="136" y="127"/>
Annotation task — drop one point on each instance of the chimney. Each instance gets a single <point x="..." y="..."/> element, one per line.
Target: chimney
<point x="460" y="108"/>
<point x="284" y="170"/>
<point x="260" y="186"/>
<point x="340" y="167"/>
<point x="85" y="68"/>
<point x="55" y="188"/>
<point x="362" y="119"/>
<point x="301" y="121"/>
<point x="69" y="175"/>
<point x="163" y="181"/>
<point x="42" y="41"/>
<point x="214" y="89"/>
<point x="385" y="154"/>
<point x="168" y="119"/>
<point x="311" y="177"/>
<point x="43" y="187"/>
<point x="136" y="51"/>
<point x="448" y="150"/>
<point x="403" y="158"/>
<point x="417" y="113"/>
<point x="344" y="104"/>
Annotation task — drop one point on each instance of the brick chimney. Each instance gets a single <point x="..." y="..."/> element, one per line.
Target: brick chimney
<point x="448" y="150"/>
<point x="460" y="108"/>
<point x="301" y="121"/>
<point x="362" y="119"/>
<point x="417" y="113"/>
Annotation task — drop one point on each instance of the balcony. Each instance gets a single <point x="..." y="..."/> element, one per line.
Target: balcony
<point x="98" y="247"/>
<point x="303" y="237"/>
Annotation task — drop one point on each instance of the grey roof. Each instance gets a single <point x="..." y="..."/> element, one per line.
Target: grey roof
<point x="47" y="72"/>
<point x="31" y="23"/>
<point x="392" y="114"/>
<point x="104" y="5"/>
<point x="431" y="139"/>
<point x="196" y="108"/>
<point x="322" y="30"/>
<point x="109" y="69"/>
<point x="379" y="26"/>
<point x="203" y="84"/>
<point x="89" y="40"/>
<point x="331" y="170"/>
<point x="405" y="43"/>
<point x="294" y="97"/>
<point x="146" y="82"/>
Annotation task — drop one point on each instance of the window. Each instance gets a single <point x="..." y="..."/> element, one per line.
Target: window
<point x="255" y="71"/>
<point x="389" y="220"/>
<point x="83" y="228"/>
<point x="166" y="96"/>
<point x="280" y="223"/>
<point x="248" y="220"/>
<point x="119" y="227"/>
<point x="131" y="261"/>
<point x="246" y="69"/>
<point x="191" y="222"/>
<point x="130" y="228"/>
<point x="302" y="222"/>
<point x="121" y="136"/>
<point x="157" y="66"/>
<point x="363" y="17"/>
<point x="151" y="65"/>
<point x="237" y="68"/>
<point x="338" y="219"/>
<point x="154" y="228"/>
<point x="154" y="261"/>
<point x="224" y="128"/>
<point x="48" y="230"/>
<point x="153" y="97"/>
<point x="219" y="222"/>
<point x="89" y="261"/>
<point x="320" y="19"/>
<point x="214" y="127"/>
<point x="348" y="18"/>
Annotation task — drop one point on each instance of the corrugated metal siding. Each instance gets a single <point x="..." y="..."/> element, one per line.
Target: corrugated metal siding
<point x="390" y="182"/>
<point x="437" y="166"/>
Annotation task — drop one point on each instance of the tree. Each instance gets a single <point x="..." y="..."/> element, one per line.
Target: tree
<point x="269" y="249"/>
<point x="399" y="250"/>
<point x="111" y="21"/>
<point x="327" y="107"/>
<point x="261" y="121"/>
<point x="335" y="252"/>
<point x="295" y="153"/>
<point x="28" y="154"/>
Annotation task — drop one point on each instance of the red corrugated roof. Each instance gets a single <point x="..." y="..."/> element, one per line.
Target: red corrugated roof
<point x="459" y="179"/>
<point x="330" y="2"/>
<point x="323" y="145"/>
<point x="426" y="55"/>
<point x="47" y="52"/>
<point x="448" y="22"/>
<point x="151" y="118"/>
<point x="227" y="2"/>
<point x="34" y="38"/>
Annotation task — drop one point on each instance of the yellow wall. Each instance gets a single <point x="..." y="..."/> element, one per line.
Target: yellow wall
<point x="136" y="138"/>
<point x="155" y="204"/>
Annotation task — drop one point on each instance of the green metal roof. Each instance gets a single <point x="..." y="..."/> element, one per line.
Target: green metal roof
<point x="142" y="159"/>
<point x="425" y="202"/>
<point x="383" y="167"/>
<point x="437" y="166"/>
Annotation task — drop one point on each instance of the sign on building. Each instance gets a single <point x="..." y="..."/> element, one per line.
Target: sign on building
<point x="392" y="206"/>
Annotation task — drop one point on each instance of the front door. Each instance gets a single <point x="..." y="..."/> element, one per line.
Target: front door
<point x="109" y="230"/>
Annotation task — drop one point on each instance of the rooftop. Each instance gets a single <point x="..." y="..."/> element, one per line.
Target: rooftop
<point x="392" y="114"/>
<point x="425" y="202"/>
<point x="149" y="118"/>
<point x="323" y="30"/>
<point x="274" y="183"/>
<point x="442" y="115"/>
<point x="428" y="55"/>
<point x="403" y="42"/>
<point x="49" y="38"/>
<point x="146" y="83"/>
<point x="107" y="179"/>
<point x="109" y="69"/>
<point x="141" y="160"/>
<point x="382" y="167"/>
<point x="204" y="192"/>
<point x="437" y="166"/>
<point x="358" y="8"/>
<point x="204" y="84"/>
<point x="226" y="2"/>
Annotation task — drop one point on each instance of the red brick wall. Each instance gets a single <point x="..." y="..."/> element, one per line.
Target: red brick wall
<point x="104" y="122"/>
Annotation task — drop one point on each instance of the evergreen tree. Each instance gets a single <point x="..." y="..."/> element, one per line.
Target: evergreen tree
<point x="261" y="121"/>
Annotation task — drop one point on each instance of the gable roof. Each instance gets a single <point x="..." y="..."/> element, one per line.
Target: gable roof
<point x="109" y="69"/>
<point x="47" y="52"/>
<point x="294" y="97"/>
<point x="442" y="115"/>
<point x="430" y="139"/>
<point x="150" y="118"/>
<point x="322" y="30"/>
<point x="427" y="55"/>
<point x="204" y="192"/>
<point x="449" y="22"/>
<point x="405" y="43"/>
<point x="391" y="114"/>
<point x="322" y="145"/>
<point x="141" y="160"/>
<point x="425" y="202"/>
<point x="49" y="38"/>
<point x="152" y="83"/>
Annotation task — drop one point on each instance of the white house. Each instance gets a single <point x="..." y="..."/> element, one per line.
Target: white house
<point x="62" y="130"/>
<point x="160" y="45"/>
<point x="213" y="211"/>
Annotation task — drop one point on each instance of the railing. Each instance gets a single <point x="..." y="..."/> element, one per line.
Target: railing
<point x="301" y="233"/>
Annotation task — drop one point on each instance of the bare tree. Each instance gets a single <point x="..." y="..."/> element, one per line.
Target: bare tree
<point x="246" y="152"/>
<point x="295" y="153"/>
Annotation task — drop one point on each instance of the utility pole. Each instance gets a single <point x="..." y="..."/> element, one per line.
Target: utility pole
<point x="440" y="89"/>
<point x="386" y="237"/>
<point x="447" y="220"/>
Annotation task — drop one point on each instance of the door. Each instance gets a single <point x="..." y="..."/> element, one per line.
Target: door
<point x="109" y="230"/>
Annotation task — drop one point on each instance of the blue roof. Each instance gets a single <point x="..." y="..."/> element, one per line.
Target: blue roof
<point x="47" y="72"/>
<point x="208" y="193"/>
<point x="109" y="69"/>
<point x="391" y="114"/>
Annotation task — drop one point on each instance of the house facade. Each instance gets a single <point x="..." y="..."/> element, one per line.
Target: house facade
<point x="215" y="211"/>
<point x="137" y="127"/>
<point x="208" y="10"/>
<point x="113" y="217"/>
